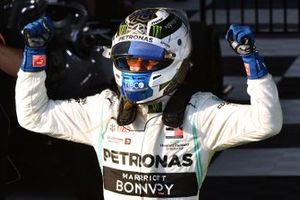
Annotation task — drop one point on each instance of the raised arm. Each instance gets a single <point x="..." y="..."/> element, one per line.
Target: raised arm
<point x="222" y="124"/>
<point x="69" y="119"/>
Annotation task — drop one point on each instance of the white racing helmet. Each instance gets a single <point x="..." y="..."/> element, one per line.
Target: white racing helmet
<point x="161" y="35"/>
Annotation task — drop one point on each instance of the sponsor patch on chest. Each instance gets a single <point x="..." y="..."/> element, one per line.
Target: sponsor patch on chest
<point x="173" y="133"/>
<point x="153" y="185"/>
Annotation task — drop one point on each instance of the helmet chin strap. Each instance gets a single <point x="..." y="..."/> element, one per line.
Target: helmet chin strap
<point x="173" y="114"/>
<point x="127" y="112"/>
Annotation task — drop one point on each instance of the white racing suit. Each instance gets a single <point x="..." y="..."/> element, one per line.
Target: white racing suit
<point x="146" y="159"/>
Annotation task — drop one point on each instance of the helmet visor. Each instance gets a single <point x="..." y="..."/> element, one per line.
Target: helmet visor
<point x="140" y="56"/>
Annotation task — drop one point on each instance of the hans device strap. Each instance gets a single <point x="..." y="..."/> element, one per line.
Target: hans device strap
<point x="127" y="112"/>
<point x="173" y="114"/>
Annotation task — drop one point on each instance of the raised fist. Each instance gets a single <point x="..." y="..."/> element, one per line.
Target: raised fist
<point x="37" y="34"/>
<point x="241" y="39"/>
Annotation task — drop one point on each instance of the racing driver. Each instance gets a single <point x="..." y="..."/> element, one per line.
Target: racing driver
<point x="141" y="155"/>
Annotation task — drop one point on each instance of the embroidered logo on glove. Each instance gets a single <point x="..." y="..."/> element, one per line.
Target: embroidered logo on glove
<point x="39" y="60"/>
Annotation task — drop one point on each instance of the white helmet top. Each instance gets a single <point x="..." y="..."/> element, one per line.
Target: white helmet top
<point x="161" y="35"/>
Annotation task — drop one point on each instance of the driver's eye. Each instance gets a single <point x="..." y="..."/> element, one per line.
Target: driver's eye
<point x="141" y="63"/>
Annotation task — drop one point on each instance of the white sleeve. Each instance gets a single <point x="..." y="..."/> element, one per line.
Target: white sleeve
<point x="65" y="119"/>
<point x="221" y="125"/>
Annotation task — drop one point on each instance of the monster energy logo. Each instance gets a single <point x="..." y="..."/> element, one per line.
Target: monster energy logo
<point x="156" y="30"/>
<point x="122" y="29"/>
<point x="155" y="108"/>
